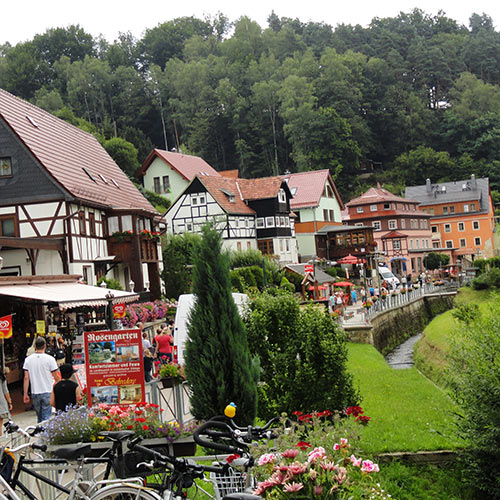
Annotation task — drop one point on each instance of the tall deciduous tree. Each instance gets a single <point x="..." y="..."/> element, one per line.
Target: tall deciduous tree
<point x="219" y="367"/>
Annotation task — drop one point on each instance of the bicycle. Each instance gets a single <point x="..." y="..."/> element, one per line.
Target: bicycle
<point x="81" y="489"/>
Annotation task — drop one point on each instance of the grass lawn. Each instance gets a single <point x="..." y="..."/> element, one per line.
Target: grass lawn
<point x="432" y="349"/>
<point x="409" y="413"/>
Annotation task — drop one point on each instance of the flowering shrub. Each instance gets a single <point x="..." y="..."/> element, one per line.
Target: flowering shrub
<point x="84" y="424"/>
<point x="402" y="291"/>
<point x="317" y="459"/>
<point x="367" y="304"/>
<point x="146" y="311"/>
<point x="171" y="370"/>
<point x="122" y="235"/>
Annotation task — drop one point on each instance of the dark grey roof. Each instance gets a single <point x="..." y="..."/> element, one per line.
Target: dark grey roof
<point x="451" y="192"/>
<point x="339" y="229"/>
<point x="321" y="276"/>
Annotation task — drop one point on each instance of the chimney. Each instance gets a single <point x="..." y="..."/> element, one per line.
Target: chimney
<point x="428" y="186"/>
<point x="473" y="182"/>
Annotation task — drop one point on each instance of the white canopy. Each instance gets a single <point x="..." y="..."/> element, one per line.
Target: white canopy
<point x="68" y="294"/>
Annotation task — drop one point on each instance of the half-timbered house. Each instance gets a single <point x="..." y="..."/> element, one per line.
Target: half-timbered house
<point x="250" y="213"/>
<point x="66" y="207"/>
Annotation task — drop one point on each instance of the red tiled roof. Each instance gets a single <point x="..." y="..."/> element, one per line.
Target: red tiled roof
<point x="307" y="188"/>
<point x="187" y="166"/>
<point x="230" y="173"/>
<point x="64" y="150"/>
<point x="261" y="188"/>
<point x="377" y="194"/>
<point x="215" y="184"/>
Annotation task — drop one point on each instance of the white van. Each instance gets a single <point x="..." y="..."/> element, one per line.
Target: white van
<point x="184" y="306"/>
<point x="386" y="275"/>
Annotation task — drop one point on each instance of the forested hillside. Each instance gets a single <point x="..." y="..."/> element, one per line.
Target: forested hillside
<point x="403" y="99"/>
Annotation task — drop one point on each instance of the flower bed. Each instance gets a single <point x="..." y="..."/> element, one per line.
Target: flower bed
<point x="84" y="424"/>
<point x="317" y="458"/>
<point x="147" y="311"/>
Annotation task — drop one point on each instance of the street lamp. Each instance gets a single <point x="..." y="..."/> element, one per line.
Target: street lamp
<point x="131" y="285"/>
<point x="109" y="310"/>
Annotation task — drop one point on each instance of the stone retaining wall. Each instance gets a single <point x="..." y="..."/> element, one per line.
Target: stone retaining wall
<point x="390" y="328"/>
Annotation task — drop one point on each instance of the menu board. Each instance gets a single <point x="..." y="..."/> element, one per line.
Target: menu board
<point x="114" y="367"/>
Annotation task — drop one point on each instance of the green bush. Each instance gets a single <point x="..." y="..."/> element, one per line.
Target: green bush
<point x="110" y="283"/>
<point x="302" y="354"/>
<point x="475" y="379"/>
<point x="491" y="279"/>
<point x="246" y="258"/>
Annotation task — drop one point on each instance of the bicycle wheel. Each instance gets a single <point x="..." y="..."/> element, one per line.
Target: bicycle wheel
<point x="125" y="492"/>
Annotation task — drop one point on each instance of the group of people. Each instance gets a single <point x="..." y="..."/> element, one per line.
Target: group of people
<point x="161" y="349"/>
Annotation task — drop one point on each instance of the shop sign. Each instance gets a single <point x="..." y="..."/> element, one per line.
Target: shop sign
<point x="119" y="311"/>
<point x="114" y="367"/>
<point x="6" y="327"/>
<point x="40" y="327"/>
<point x="309" y="268"/>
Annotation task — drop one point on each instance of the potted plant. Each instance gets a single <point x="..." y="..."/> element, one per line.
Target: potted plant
<point x="171" y="374"/>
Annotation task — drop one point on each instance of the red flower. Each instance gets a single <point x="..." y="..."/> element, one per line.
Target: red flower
<point x="303" y="445"/>
<point x="305" y="418"/>
<point x="325" y="413"/>
<point x="354" y="411"/>
<point x="362" y="419"/>
<point x="232" y="457"/>
<point x="296" y="413"/>
<point x="145" y="427"/>
<point x="140" y="420"/>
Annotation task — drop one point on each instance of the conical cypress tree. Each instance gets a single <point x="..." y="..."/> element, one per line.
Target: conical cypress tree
<point x="219" y="367"/>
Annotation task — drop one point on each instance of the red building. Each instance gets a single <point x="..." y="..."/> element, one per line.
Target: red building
<point x="400" y="229"/>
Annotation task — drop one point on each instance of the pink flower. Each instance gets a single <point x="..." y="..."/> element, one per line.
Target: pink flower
<point x="355" y="461"/>
<point x="291" y="453"/>
<point x="368" y="466"/>
<point x="318" y="490"/>
<point x="261" y="487"/>
<point x="316" y="454"/>
<point x="343" y="442"/>
<point x="292" y="487"/>
<point x="267" y="458"/>
<point x="277" y="478"/>
<point x="328" y="466"/>
<point x="297" y="468"/>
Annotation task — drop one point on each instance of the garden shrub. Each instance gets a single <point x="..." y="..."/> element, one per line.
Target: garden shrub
<point x="246" y="258"/>
<point x="302" y="354"/>
<point x="475" y="379"/>
<point x="490" y="279"/>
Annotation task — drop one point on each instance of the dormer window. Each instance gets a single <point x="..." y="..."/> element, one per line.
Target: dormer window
<point x="5" y="167"/>
<point x="230" y="196"/>
<point x="282" y="196"/>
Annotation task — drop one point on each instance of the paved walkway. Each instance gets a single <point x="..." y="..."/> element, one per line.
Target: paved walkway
<point x="354" y="316"/>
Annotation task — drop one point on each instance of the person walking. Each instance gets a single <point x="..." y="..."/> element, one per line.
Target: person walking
<point x="354" y="297"/>
<point x="146" y="344"/>
<point x="66" y="392"/>
<point x="164" y="342"/>
<point x="41" y="371"/>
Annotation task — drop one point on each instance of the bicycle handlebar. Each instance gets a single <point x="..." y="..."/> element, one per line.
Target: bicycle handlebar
<point x="217" y="446"/>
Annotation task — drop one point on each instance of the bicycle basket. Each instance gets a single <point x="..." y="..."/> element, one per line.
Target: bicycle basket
<point x="224" y="484"/>
<point x="126" y="465"/>
<point x="6" y="466"/>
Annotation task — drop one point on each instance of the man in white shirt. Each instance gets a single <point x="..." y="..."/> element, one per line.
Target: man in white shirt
<point x="42" y="372"/>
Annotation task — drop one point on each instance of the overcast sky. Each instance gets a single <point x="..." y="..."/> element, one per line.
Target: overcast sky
<point x="22" y="19"/>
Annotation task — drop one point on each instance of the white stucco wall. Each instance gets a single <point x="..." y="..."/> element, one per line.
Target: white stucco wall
<point x="159" y="168"/>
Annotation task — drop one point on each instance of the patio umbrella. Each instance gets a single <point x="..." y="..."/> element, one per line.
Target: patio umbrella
<point x="349" y="259"/>
<point x="320" y="287"/>
<point x="343" y="283"/>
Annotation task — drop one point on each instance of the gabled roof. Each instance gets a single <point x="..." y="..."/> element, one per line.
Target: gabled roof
<point x="376" y="195"/>
<point x="307" y="188"/>
<point x="319" y="275"/>
<point x="187" y="166"/>
<point x="451" y="192"/>
<point x="261" y="188"/>
<point x="218" y="187"/>
<point x="64" y="151"/>
<point x="394" y="234"/>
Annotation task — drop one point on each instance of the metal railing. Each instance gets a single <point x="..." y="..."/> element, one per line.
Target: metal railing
<point x="398" y="299"/>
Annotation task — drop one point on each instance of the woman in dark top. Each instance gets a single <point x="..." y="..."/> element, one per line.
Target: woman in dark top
<point x="66" y="392"/>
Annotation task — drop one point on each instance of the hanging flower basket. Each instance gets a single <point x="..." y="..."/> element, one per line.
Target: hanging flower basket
<point x="170" y="381"/>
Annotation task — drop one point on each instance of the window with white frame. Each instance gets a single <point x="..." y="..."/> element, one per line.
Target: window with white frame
<point x="475" y="225"/>
<point x="281" y="246"/>
<point x="387" y="206"/>
<point x="435" y="244"/>
<point x="189" y="226"/>
<point x="287" y="244"/>
<point x="360" y="210"/>
<point x="449" y="244"/>
<point x="477" y="241"/>
<point x="411" y="244"/>
<point x="281" y="196"/>
<point x="463" y="242"/>
<point x="287" y="221"/>
<point x="373" y="208"/>
<point x="417" y="243"/>
<point x="376" y="225"/>
<point x="466" y="207"/>
<point x="282" y="221"/>
<point x="269" y="221"/>
<point x="194" y="200"/>
<point x="452" y="209"/>
<point x="445" y="210"/>
<point x="396" y="244"/>
<point x="202" y="199"/>
<point x="403" y="223"/>
<point x="434" y="229"/>
<point x="236" y="223"/>
<point x="325" y="214"/>
<point x="260" y="222"/>
<point x="423" y="244"/>
<point x="447" y="228"/>
<point x="332" y="215"/>
<point x="393" y="224"/>
<point x="461" y="226"/>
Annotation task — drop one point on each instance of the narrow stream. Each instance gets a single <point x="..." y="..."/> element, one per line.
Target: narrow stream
<point x="402" y="356"/>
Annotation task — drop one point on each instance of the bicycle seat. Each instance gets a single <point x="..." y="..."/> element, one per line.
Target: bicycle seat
<point x="72" y="453"/>
<point x="117" y="435"/>
<point x="241" y="496"/>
